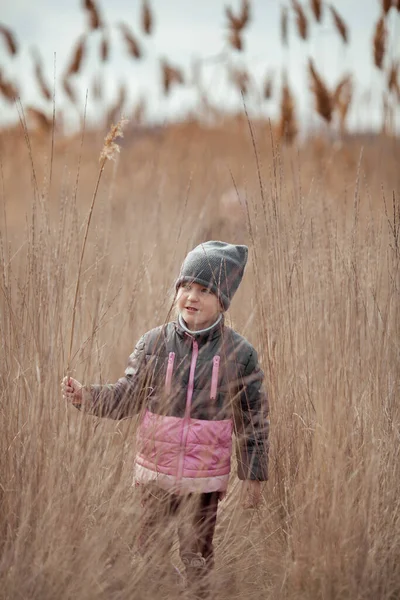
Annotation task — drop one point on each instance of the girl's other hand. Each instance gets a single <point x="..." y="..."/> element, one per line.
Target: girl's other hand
<point x="251" y="494"/>
<point x="71" y="390"/>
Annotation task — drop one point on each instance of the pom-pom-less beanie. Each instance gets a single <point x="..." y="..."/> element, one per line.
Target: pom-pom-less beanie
<point x="216" y="265"/>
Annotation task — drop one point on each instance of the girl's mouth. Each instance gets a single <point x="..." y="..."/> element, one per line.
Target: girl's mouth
<point x="191" y="309"/>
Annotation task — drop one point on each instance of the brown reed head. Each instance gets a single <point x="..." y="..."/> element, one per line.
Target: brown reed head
<point x="379" y="42"/>
<point x="39" y="75"/>
<point x="170" y="75"/>
<point x="341" y="98"/>
<point x="8" y="90"/>
<point x="284" y="25"/>
<point x="301" y="19"/>
<point x="132" y="44"/>
<point x="393" y="80"/>
<point x="10" y="39"/>
<point x="340" y="24"/>
<point x="147" y="18"/>
<point x="287" y="126"/>
<point x="316" y="8"/>
<point x="77" y="57"/>
<point x="95" y="21"/>
<point x="322" y="96"/>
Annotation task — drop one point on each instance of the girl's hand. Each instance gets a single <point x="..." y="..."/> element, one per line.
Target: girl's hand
<point x="71" y="390"/>
<point x="251" y="494"/>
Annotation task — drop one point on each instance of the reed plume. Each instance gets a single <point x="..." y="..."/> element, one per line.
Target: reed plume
<point x="10" y="40"/>
<point x="287" y="126"/>
<point x="340" y="24"/>
<point x="77" y="57"/>
<point x="8" y="89"/>
<point x="170" y="75"/>
<point x="284" y="25"/>
<point x="316" y="8"/>
<point x="147" y="18"/>
<point x="131" y="43"/>
<point x="94" y="14"/>
<point x="322" y="96"/>
<point x="301" y="20"/>
<point x="39" y="75"/>
<point x="43" y="122"/>
<point x="379" y="42"/>
<point x="104" y="48"/>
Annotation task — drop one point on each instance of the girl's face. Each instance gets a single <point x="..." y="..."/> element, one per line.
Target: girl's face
<point x="198" y="306"/>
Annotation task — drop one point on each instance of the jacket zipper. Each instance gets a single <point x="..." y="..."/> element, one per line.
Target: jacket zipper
<point x="186" y="418"/>
<point x="170" y="368"/>
<point x="214" y="378"/>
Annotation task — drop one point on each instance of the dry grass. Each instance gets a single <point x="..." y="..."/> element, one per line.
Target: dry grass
<point x="325" y="264"/>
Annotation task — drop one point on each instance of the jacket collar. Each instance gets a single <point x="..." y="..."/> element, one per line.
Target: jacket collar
<point x="205" y="334"/>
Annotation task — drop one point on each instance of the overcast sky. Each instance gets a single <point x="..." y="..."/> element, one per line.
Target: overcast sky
<point x="186" y="30"/>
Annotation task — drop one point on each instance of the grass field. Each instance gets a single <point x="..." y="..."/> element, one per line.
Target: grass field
<point x="320" y="301"/>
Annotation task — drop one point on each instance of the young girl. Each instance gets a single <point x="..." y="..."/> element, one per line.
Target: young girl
<point x="197" y="381"/>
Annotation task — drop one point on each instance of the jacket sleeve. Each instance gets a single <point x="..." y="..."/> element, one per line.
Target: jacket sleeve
<point x="123" y="398"/>
<point x="252" y="424"/>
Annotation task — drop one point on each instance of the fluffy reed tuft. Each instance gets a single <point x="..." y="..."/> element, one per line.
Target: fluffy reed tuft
<point x="284" y="25"/>
<point x="95" y="21"/>
<point x="287" y="126"/>
<point x="110" y="148"/>
<point x="316" y="8"/>
<point x="8" y="90"/>
<point x="10" y="40"/>
<point x="323" y="98"/>
<point x="301" y="20"/>
<point x="170" y="75"/>
<point x="340" y="24"/>
<point x="147" y="18"/>
<point x="77" y="57"/>
<point x="131" y="42"/>
<point x="39" y="75"/>
<point x="379" y="42"/>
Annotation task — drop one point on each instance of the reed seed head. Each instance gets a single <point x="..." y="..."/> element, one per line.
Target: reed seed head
<point x="147" y="18"/>
<point x="323" y="98"/>
<point x="340" y="24"/>
<point x="170" y="75"/>
<point x="379" y="42"/>
<point x="110" y="148"/>
<point x="316" y="8"/>
<point x="301" y="20"/>
<point x="77" y="57"/>
<point x="8" y="90"/>
<point x="287" y="126"/>
<point x="131" y="42"/>
<point x="10" y="40"/>
<point x="284" y="25"/>
<point x="95" y="21"/>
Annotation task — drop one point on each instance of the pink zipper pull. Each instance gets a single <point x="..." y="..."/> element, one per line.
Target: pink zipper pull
<point x="214" y="377"/>
<point x="170" y="368"/>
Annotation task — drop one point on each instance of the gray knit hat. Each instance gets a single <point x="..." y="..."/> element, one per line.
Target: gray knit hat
<point x="216" y="265"/>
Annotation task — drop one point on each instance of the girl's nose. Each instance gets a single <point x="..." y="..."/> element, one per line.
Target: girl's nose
<point x="192" y="296"/>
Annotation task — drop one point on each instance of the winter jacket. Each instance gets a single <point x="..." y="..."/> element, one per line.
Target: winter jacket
<point x="192" y="392"/>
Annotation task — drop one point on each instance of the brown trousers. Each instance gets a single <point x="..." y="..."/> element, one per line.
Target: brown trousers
<point x="195" y="515"/>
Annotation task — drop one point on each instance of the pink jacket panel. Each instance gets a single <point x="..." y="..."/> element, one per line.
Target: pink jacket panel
<point x="207" y="451"/>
